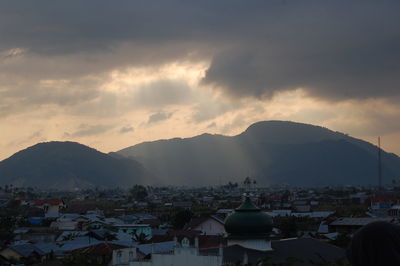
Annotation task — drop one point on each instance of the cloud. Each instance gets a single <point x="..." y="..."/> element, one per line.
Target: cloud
<point x="22" y="95"/>
<point x="212" y="125"/>
<point x="334" y="75"/>
<point x="163" y="92"/>
<point x="85" y="130"/>
<point x="210" y="108"/>
<point x="333" y="50"/>
<point x="126" y="129"/>
<point x="66" y="61"/>
<point x="159" y="116"/>
<point x="369" y="118"/>
<point x="34" y="136"/>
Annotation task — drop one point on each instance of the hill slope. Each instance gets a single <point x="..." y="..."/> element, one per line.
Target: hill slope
<point x="273" y="152"/>
<point x="66" y="165"/>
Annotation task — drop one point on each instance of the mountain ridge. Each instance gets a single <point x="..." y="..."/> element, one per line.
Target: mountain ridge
<point x="272" y="152"/>
<point x="264" y="150"/>
<point x="69" y="165"/>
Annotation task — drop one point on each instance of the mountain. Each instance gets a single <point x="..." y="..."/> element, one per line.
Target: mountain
<point x="70" y="165"/>
<point x="273" y="152"/>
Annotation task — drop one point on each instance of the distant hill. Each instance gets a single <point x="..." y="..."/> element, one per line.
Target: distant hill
<point x="273" y="152"/>
<point x="67" y="165"/>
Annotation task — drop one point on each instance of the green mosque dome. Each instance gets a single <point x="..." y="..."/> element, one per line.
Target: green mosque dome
<point x="248" y="222"/>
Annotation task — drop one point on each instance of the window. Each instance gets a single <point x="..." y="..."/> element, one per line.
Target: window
<point x="131" y="256"/>
<point x="119" y="257"/>
<point x="185" y="242"/>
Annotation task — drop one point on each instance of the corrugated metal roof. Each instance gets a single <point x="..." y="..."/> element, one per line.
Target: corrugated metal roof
<point x="26" y="250"/>
<point x="361" y="221"/>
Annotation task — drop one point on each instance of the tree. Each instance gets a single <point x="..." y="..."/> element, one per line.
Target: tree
<point x="7" y="225"/>
<point x="110" y="237"/>
<point x="288" y="226"/>
<point x="342" y="240"/>
<point x="181" y="218"/>
<point x="247" y="181"/>
<point x="139" y="238"/>
<point x="139" y="192"/>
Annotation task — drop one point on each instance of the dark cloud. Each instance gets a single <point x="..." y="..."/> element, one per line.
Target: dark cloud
<point x="49" y="27"/>
<point x="334" y="50"/>
<point x="361" y="73"/>
<point x="159" y="116"/>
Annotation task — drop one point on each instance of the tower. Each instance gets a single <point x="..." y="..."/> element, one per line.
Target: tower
<point x="379" y="165"/>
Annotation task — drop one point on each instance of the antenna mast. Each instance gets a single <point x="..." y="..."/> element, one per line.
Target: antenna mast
<point x="379" y="164"/>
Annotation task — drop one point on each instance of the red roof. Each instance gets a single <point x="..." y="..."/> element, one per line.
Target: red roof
<point x="49" y="202"/>
<point x="383" y="198"/>
<point x="99" y="249"/>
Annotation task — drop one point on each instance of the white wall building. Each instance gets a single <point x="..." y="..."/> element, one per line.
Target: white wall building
<point x="183" y="255"/>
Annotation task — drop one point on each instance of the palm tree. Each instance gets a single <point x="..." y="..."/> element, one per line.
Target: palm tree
<point x="139" y="238"/>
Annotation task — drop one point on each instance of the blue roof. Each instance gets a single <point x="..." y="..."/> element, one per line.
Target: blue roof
<point x="26" y="250"/>
<point x="161" y="247"/>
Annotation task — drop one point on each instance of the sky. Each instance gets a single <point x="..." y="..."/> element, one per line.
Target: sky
<point x="111" y="74"/>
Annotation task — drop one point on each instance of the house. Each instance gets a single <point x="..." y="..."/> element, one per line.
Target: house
<point x="136" y="229"/>
<point x="175" y="254"/>
<point x="98" y="224"/>
<point x="154" y="223"/>
<point x="301" y="206"/>
<point x="70" y="235"/>
<point x="204" y="241"/>
<point x="212" y="225"/>
<point x="224" y="212"/>
<point x="36" y="234"/>
<point x="381" y="204"/>
<point x="28" y="211"/>
<point x="351" y="224"/>
<point x="25" y="252"/>
<point x="100" y="253"/>
<point x="64" y="225"/>
<point x="51" y="207"/>
<point x="394" y="211"/>
<point x="124" y="256"/>
<point x="184" y="253"/>
<point x="81" y="208"/>
<point x="248" y="242"/>
<point x="187" y="205"/>
<point x="141" y="252"/>
<point x="102" y="234"/>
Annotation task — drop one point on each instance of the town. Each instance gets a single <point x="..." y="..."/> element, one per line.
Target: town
<point x="277" y="225"/>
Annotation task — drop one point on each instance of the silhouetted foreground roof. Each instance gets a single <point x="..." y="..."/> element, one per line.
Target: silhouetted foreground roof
<point x="306" y="251"/>
<point x="99" y="249"/>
